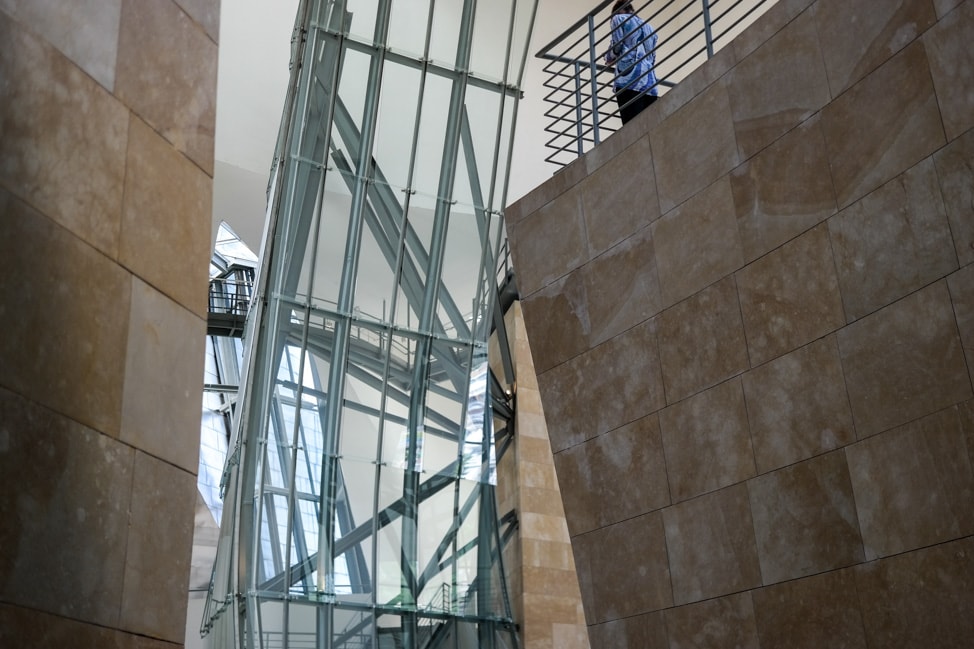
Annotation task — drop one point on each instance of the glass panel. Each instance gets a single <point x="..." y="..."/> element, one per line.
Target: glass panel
<point x="432" y="133"/>
<point x="332" y="235"/>
<point x="398" y="105"/>
<point x="491" y="30"/>
<point x="462" y="273"/>
<point x="446" y="31"/>
<point x="521" y="37"/>
<point x="414" y="268"/>
<point x="407" y="29"/>
<point x="379" y="249"/>
<point x="352" y="629"/>
<point x="484" y="114"/>
<point x="363" y="17"/>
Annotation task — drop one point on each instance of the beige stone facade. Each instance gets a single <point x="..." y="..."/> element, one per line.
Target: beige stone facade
<point x="542" y="579"/>
<point x="752" y="318"/>
<point x="106" y="161"/>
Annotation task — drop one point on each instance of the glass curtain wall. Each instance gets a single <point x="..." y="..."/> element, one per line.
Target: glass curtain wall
<point x="359" y="492"/>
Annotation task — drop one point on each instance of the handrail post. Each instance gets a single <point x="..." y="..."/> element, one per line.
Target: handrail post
<point x="708" y="28"/>
<point x="593" y="71"/>
<point x="578" y="109"/>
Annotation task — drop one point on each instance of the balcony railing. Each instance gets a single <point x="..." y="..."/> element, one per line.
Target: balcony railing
<point x="581" y="100"/>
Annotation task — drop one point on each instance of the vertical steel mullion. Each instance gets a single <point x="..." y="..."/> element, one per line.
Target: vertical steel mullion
<point x="593" y="58"/>
<point x="325" y="564"/>
<point x="708" y="28"/>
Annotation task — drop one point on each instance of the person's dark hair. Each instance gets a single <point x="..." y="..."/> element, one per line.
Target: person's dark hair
<point x="623" y="5"/>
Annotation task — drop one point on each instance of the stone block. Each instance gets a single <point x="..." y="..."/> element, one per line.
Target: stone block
<point x="166" y="221"/>
<point x="641" y="583"/>
<point x="23" y="627"/>
<point x="884" y="124"/>
<point x="790" y="297"/>
<point x="85" y="31"/>
<point x="904" y="362"/>
<point x="707" y="442"/>
<point x="697" y="243"/>
<point x="797" y="406"/>
<point x="913" y="485"/>
<point x="961" y="285"/>
<point x="701" y="341"/>
<point x="549" y="243"/>
<point x="892" y="241"/>
<point x="638" y="631"/>
<point x="65" y="308"/>
<point x="951" y="64"/>
<point x="805" y="519"/>
<point x="622" y="287"/>
<point x="919" y="599"/>
<point x="771" y="22"/>
<point x="954" y="164"/>
<point x="694" y="147"/>
<point x="66" y="514"/>
<point x="783" y="191"/>
<point x="62" y="149"/>
<point x="206" y="13"/>
<point x="163" y="378"/>
<point x="619" y="199"/>
<point x="714" y="624"/>
<point x="778" y="86"/>
<point x="594" y="393"/>
<point x="858" y="38"/>
<point x="159" y="549"/>
<point x="810" y="613"/>
<point x="560" y="320"/>
<point x="711" y="546"/>
<point x="167" y="74"/>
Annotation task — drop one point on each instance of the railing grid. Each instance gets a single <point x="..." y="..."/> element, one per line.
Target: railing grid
<point x="582" y="107"/>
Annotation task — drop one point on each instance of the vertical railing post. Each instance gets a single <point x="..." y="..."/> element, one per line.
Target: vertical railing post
<point x="593" y="58"/>
<point x="578" y="109"/>
<point x="708" y="29"/>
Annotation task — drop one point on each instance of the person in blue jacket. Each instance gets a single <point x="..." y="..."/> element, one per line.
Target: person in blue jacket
<point x="633" y="52"/>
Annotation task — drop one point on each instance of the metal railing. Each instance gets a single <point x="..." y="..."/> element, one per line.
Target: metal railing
<point x="582" y="101"/>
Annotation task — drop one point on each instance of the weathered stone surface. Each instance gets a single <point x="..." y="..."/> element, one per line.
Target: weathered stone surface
<point x="707" y="442"/>
<point x="913" y="485"/>
<point x="778" y="86"/>
<point x="805" y="519"/>
<point x="62" y="137"/>
<point x="790" y="297"/>
<point x="167" y="74"/>
<point x="892" y="242"/>
<point x="883" y="125"/>
<point x="783" y="191"/>
<point x="797" y="406"/>
<point x="711" y="545"/>
<point x="904" y="362"/>
<point x="701" y="341"/>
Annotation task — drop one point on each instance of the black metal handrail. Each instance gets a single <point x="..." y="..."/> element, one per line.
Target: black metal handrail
<point x="582" y="98"/>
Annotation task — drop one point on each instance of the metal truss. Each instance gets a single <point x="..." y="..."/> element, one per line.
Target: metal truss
<point x="360" y="508"/>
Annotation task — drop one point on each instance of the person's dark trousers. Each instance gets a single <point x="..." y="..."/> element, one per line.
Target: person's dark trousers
<point x="631" y="103"/>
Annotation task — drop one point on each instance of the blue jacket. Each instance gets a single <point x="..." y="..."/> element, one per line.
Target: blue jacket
<point x="633" y="52"/>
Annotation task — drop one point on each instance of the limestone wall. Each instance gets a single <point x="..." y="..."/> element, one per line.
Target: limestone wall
<point x="106" y="161"/>
<point x="751" y="312"/>
<point x="540" y="566"/>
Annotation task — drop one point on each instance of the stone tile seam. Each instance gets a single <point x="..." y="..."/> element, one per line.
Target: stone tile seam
<point x="195" y="22"/>
<point x="25" y="27"/>
<point x="88" y="623"/>
<point x="69" y="419"/>
<point x="852" y="568"/>
<point x="751" y="365"/>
